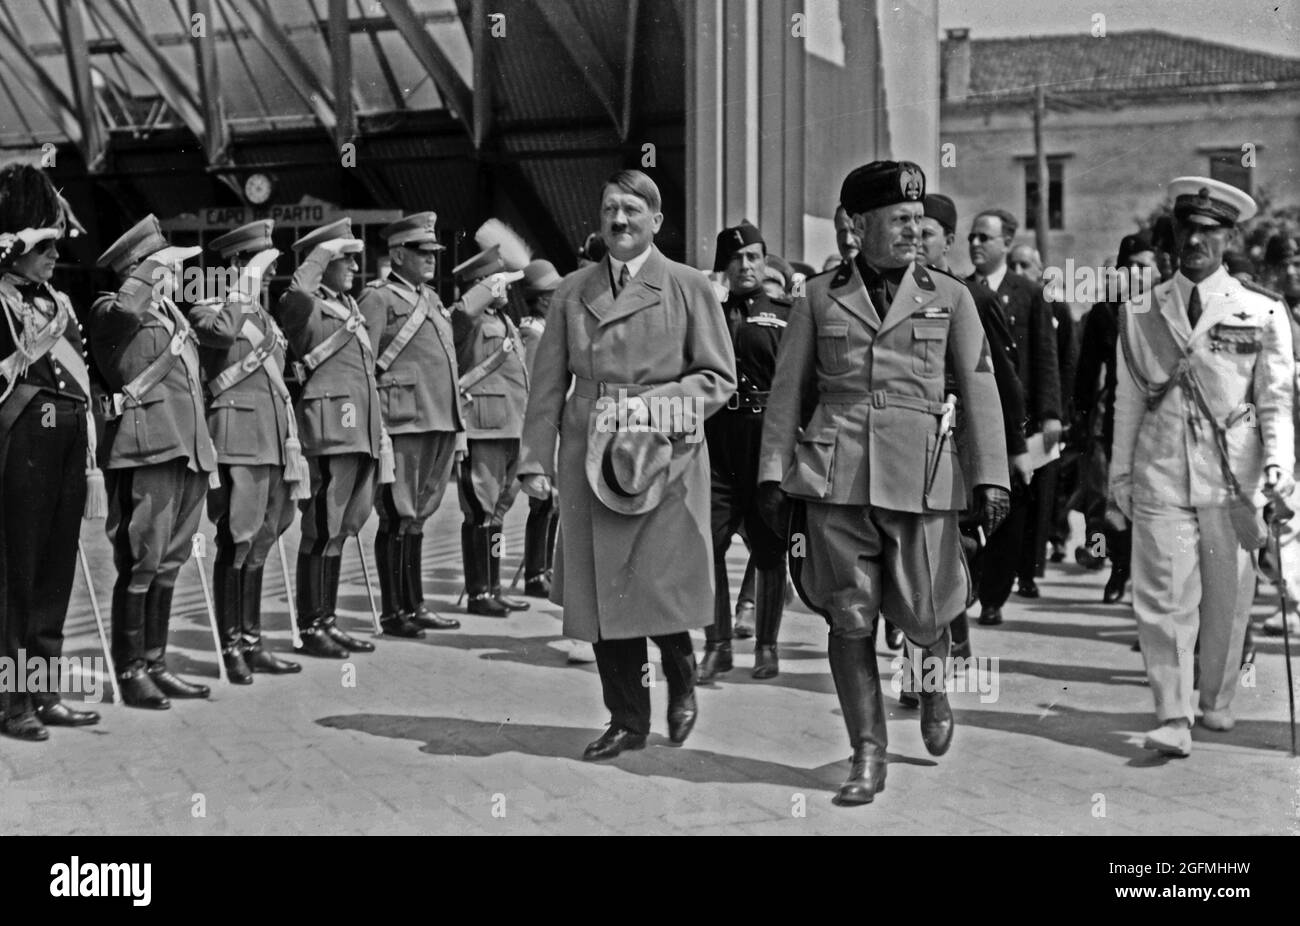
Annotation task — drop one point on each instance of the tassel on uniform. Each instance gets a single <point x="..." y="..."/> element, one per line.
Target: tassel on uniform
<point x="295" y="470"/>
<point x="387" y="462"/>
<point x="96" y="495"/>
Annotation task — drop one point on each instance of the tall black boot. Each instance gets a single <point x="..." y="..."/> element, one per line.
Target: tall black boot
<point x="857" y="684"/>
<point x="228" y="599"/>
<point x="389" y="574"/>
<point x="717" y="657"/>
<point x="537" y="539"/>
<point x="475" y="545"/>
<point x="960" y="635"/>
<point x="311" y="610"/>
<point x="157" y="616"/>
<point x="396" y="619"/>
<point x="494" y="572"/>
<point x="936" y="714"/>
<point x="330" y="586"/>
<point x="769" y="604"/>
<point x="413" y="586"/>
<point x="256" y="656"/>
<point x="136" y="687"/>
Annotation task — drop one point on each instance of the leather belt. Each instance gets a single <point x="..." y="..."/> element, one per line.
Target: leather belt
<point x="753" y="400"/>
<point x="882" y="399"/>
<point x="597" y="389"/>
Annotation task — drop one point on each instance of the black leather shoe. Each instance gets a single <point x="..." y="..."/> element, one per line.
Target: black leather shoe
<point x="1058" y="553"/>
<point x="990" y="617"/>
<point x="259" y="660"/>
<point x="1028" y="589"/>
<point x="936" y="722"/>
<point x="1114" y="590"/>
<point x="766" y="662"/>
<point x="1136" y="647"/>
<point x="612" y="742"/>
<point x="398" y="625"/>
<point x="487" y="606"/>
<point x="682" y="713"/>
<point x="316" y="642"/>
<point x="908" y="700"/>
<point x="24" y="727"/>
<point x="423" y="617"/>
<point x="59" y="714"/>
<point x="173" y="686"/>
<point x="510" y="604"/>
<point x="893" y="636"/>
<point x="537" y="587"/>
<point x="138" y="690"/>
<point x="347" y="641"/>
<point x="236" y="668"/>
<point x="716" y="660"/>
<point x="1084" y="558"/>
<point x="866" y="778"/>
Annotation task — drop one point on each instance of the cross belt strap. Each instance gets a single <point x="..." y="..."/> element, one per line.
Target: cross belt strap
<point x="483" y="369"/>
<point x="403" y="336"/>
<point x="258" y="358"/>
<point x="332" y="344"/>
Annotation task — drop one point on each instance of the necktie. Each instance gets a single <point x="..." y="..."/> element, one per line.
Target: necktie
<point x="984" y="281"/>
<point x="1194" y="307"/>
<point x="622" y="280"/>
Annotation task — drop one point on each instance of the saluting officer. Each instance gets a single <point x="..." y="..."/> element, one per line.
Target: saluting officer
<point x="540" y="280"/>
<point x="339" y="423"/>
<point x="1203" y="431"/>
<point x="494" y="384"/>
<point x="259" y="457"/>
<point x="874" y="463"/>
<point x="734" y="434"/>
<point x="47" y="440"/>
<point x="415" y="361"/>
<point x="160" y="457"/>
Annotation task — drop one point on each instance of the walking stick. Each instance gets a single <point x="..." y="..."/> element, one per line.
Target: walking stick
<point x="370" y="592"/>
<point x="99" y="622"/>
<point x="199" y="544"/>
<point x="1275" y="525"/>
<point x="514" y="584"/>
<point x="288" y="592"/>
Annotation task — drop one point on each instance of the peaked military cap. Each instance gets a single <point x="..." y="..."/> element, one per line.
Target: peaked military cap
<point x="731" y="240"/>
<point x="882" y="183"/>
<point x="250" y="238"/>
<point x="143" y="238"/>
<point x="482" y="264"/>
<point x="340" y="229"/>
<point x="1203" y="201"/>
<point x="413" y="229"/>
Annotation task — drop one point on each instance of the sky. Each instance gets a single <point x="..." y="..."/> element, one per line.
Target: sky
<point x="1264" y="25"/>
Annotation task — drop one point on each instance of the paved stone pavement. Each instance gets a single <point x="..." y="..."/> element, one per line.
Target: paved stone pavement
<point x="479" y="731"/>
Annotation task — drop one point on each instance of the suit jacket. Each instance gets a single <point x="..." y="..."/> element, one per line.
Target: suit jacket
<point x="1066" y="355"/>
<point x="878" y="381"/>
<point x="625" y="576"/>
<point x="1241" y="352"/>
<point x="339" y="408"/>
<point x="418" y="393"/>
<point x="1098" y="348"/>
<point x="1002" y="347"/>
<point x="249" y="422"/>
<point x="1038" y="361"/>
<point x="494" y="407"/>
<point x="170" y="421"/>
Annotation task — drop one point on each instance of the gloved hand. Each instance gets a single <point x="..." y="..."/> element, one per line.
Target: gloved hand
<point x="537" y="486"/>
<point x="16" y="244"/>
<point x="1278" y="484"/>
<point x="772" y="506"/>
<point x="994" y="505"/>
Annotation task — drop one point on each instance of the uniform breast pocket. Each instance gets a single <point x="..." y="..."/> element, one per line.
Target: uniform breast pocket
<point x="397" y="397"/>
<point x="236" y="427"/>
<point x="147" y="424"/>
<point x="833" y="347"/>
<point x="487" y="411"/>
<point x="328" y="419"/>
<point x="929" y="339"/>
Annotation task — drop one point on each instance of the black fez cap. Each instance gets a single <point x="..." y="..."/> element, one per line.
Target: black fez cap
<point x="1162" y="233"/>
<point x="943" y="210"/>
<point x="1132" y="244"/>
<point x="882" y="183"/>
<point x="731" y="240"/>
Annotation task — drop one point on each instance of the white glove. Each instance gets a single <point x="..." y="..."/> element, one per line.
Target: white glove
<point x="335" y="248"/>
<point x="16" y="244"/>
<point x="537" y="486"/>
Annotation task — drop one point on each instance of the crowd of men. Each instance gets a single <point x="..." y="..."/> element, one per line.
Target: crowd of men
<point x="883" y="436"/>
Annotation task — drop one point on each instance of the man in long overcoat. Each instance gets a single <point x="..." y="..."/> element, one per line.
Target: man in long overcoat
<point x="649" y="333"/>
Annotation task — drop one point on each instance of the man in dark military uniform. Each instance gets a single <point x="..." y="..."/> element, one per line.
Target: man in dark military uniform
<point x="251" y="421"/>
<point x="756" y="320"/>
<point x="47" y="440"/>
<point x="415" y="361"/>
<point x="160" y="457"/>
<point x="339" y="421"/>
<point x="858" y="428"/>
<point x="540" y="280"/>
<point x="494" y="384"/>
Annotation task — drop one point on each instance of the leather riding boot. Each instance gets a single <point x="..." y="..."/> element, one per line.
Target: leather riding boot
<point x="537" y="534"/>
<point x="717" y="657"/>
<point x="311" y="610"/>
<point x="857" y="684"/>
<point x="388" y="571"/>
<point x="228" y="595"/>
<point x="395" y="618"/>
<point x="416" y="611"/>
<point x="330" y="586"/>
<point x="474" y="545"/>
<point x="769" y="604"/>
<point x="494" y="572"/>
<point x="959" y="631"/>
<point x="256" y="656"/>
<point x="134" y="684"/>
<point x="157" y="615"/>
<point x="936" y="714"/>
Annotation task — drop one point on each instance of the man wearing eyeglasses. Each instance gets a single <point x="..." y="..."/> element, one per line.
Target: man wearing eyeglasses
<point x="416" y="373"/>
<point x="1031" y="324"/>
<point x="1203" y="431"/>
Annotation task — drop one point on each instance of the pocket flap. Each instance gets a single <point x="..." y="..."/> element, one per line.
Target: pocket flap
<point x="244" y="405"/>
<point x="833" y="330"/>
<point x="929" y="331"/>
<point x="403" y="377"/>
<point x="324" y="393"/>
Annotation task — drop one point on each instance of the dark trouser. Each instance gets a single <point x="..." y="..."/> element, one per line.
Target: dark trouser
<point x="44" y="495"/>
<point x="251" y="510"/>
<point x="488" y="487"/>
<point x="539" y="537"/>
<point x="342" y="492"/>
<point x="626" y="676"/>
<point x="153" y="514"/>
<point x="1118" y="543"/>
<point x="998" y="560"/>
<point x="1038" y="517"/>
<point x="423" y="467"/>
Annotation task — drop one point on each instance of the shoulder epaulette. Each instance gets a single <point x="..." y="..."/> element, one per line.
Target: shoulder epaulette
<point x="947" y="273"/>
<point x="1262" y="290"/>
<point x="375" y="284"/>
<point x="782" y="300"/>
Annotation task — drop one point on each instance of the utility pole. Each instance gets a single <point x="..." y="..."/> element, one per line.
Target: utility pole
<point x="1044" y="182"/>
